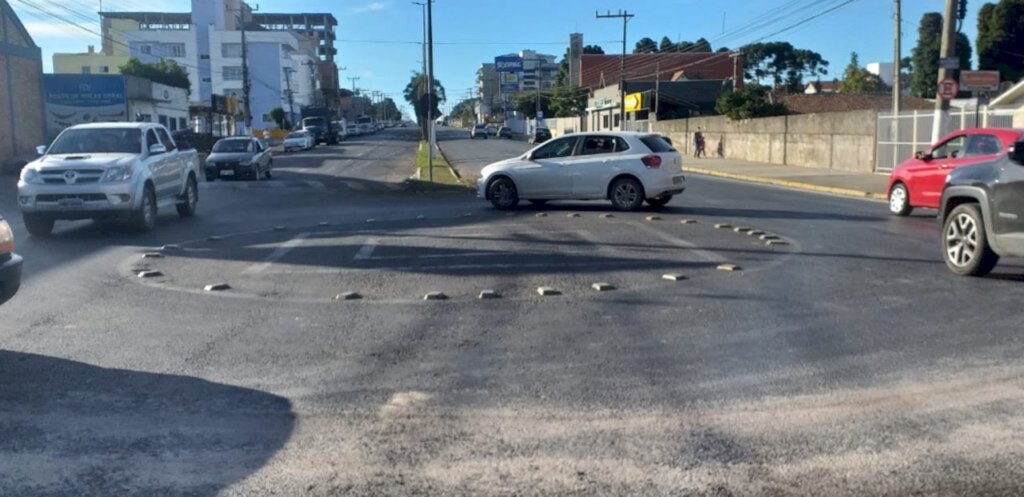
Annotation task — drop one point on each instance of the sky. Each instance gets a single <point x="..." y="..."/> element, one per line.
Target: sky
<point x="379" y="41"/>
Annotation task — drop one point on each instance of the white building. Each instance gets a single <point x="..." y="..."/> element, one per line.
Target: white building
<point x="290" y="56"/>
<point x="882" y="70"/>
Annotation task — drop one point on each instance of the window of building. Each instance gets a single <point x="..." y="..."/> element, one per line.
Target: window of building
<point x="617" y="120"/>
<point x="206" y="80"/>
<point x="231" y="50"/>
<point x="182" y="123"/>
<point x="172" y="124"/>
<point x="267" y="119"/>
<point x="233" y="92"/>
<point x="86" y="70"/>
<point x="204" y="56"/>
<point x="176" y="49"/>
<point x="162" y="119"/>
<point x="232" y="73"/>
<point x="604" y="120"/>
<point x="146" y="49"/>
<point x="104" y="69"/>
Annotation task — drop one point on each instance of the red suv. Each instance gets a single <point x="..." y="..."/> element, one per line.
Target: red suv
<point x="918" y="182"/>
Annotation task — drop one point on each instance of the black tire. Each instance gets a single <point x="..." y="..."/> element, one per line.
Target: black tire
<point x="538" y="201"/>
<point x="144" y="219"/>
<point x="659" y="201"/>
<point x="965" y="247"/>
<point x="503" y="194"/>
<point x="267" y="174"/>
<point x="256" y="174"/>
<point x="899" y="200"/>
<point x="485" y="137"/>
<point x="38" y="225"/>
<point x="626" y="194"/>
<point x="188" y="207"/>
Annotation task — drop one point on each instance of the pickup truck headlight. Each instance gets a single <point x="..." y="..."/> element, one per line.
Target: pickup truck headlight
<point x="31" y="175"/>
<point x="6" y="238"/>
<point x="117" y="173"/>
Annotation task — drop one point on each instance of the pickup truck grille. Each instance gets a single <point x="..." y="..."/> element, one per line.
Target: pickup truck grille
<point x="56" y="176"/>
<point x="227" y="164"/>
<point x="85" y="197"/>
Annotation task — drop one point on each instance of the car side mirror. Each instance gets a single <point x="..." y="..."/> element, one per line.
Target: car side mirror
<point x="41" y="150"/>
<point x="1016" y="153"/>
<point x="157" y="149"/>
<point x="925" y="156"/>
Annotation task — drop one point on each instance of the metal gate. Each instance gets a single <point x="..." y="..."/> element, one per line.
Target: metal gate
<point x="915" y="131"/>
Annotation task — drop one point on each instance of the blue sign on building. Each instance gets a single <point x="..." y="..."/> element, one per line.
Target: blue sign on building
<point x="508" y="63"/>
<point x="83" y="98"/>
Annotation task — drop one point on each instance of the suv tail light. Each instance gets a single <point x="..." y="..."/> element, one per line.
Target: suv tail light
<point x="651" y="161"/>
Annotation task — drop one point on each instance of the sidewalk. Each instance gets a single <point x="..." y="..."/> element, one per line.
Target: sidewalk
<point x="860" y="185"/>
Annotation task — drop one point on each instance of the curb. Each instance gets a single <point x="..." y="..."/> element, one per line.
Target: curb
<point x="455" y="172"/>
<point x="845" y="192"/>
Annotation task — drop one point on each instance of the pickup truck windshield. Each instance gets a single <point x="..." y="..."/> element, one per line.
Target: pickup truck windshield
<point x="98" y="141"/>
<point x="313" y="122"/>
<point x="230" y="146"/>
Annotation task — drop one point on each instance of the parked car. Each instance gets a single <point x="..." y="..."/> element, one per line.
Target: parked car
<point x="108" y="170"/>
<point x="918" y="182"/>
<point x="540" y="135"/>
<point x="624" y="167"/>
<point x="298" y="140"/>
<point x="239" y="156"/>
<point x="10" y="263"/>
<point x="352" y="130"/>
<point x="478" y="131"/>
<point x="982" y="213"/>
<point x="492" y="130"/>
<point x="504" y="132"/>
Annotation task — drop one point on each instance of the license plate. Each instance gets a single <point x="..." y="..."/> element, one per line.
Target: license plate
<point x="677" y="180"/>
<point x="227" y="172"/>
<point x="71" y="203"/>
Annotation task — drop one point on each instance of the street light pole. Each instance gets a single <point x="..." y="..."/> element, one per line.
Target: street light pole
<point x="430" y="90"/>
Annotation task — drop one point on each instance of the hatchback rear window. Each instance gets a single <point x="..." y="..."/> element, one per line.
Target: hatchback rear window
<point x="657" y="144"/>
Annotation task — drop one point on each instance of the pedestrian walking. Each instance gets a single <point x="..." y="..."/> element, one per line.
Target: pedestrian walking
<point x="698" y="142"/>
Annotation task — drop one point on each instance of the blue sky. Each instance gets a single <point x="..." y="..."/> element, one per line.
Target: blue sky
<point x="378" y="40"/>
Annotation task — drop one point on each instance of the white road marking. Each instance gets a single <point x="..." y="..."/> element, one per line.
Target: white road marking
<point x="553" y="264"/>
<point x="442" y="256"/>
<point x="277" y="254"/>
<point x="366" y="250"/>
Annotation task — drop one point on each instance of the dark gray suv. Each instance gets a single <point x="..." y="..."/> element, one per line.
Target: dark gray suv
<point x="982" y="213"/>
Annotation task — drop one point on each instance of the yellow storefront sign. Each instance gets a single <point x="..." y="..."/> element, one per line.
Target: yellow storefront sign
<point x="634" y="102"/>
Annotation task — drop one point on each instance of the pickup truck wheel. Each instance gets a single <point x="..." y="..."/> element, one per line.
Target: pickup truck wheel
<point x="188" y="207"/>
<point x="899" y="200"/>
<point x="659" y="201"/>
<point x="626" y="194"/>
<point x="38" y="226"/>
<point x="144" y="219"/>
<point x="269" y="174"/>
<point x="964" y="244"/>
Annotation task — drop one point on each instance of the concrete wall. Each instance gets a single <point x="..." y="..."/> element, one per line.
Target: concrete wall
<point x="836" y="140"/>
<point x="21" y="98"/>
<point x="563" y="125"/>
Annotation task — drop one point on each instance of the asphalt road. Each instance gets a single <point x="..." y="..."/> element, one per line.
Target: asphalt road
<point x="847" y="362"/>
<point x="468" y="156"/>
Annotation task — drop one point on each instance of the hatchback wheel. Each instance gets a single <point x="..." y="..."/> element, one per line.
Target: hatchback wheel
<point x="899" y="200"/>
<point x="626" y="194"/>
<point x="503" y="194"/>
<point x="964" y="244"/>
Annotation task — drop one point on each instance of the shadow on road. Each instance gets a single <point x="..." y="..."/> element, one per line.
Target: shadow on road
<point x="70" y="428"/>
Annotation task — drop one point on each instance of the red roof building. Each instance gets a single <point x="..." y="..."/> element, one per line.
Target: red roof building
<point x="598" y="71"/>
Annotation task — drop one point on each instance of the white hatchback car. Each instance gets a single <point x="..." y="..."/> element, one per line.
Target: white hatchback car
<point x="624" y="167"/>
<point x="299" y="140"/>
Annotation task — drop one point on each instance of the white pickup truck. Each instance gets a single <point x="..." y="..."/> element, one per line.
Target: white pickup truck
<point x="122" y="171"/>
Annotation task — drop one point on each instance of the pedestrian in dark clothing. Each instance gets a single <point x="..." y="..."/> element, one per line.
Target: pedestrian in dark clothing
<point x="698" y="143"/>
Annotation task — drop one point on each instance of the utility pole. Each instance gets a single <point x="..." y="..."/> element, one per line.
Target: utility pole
<point x="246" y="86"/>
<point x="896" y="60"/>
<point x="430" y="90"/>
<point x="353" y="79"/>
<point x="291" y="96"/>
<point x="948" y="49"/>
<point x="626" y="16"/>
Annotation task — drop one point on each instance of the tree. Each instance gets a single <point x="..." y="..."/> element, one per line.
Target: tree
<point x="386" y="110"/>
<point x="750" y="102"/>
<point x="278" y="115"/>
<point x="569" y="101"/>
<point x="646" y="45"/>
<point x="1000" y="38"/>
<point x="465" y="110"/>
<point x="925" y="56"/>
<point x="856" y="79"/>
<point x="166" y="72"/>
<point x="526" y="103"/>
<point x="666" y="45"/>
<point x="416" y="93"/>
<point x="781" y="63"/>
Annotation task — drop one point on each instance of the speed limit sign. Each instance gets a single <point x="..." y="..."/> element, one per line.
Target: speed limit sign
<point x="948" y="88"/>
